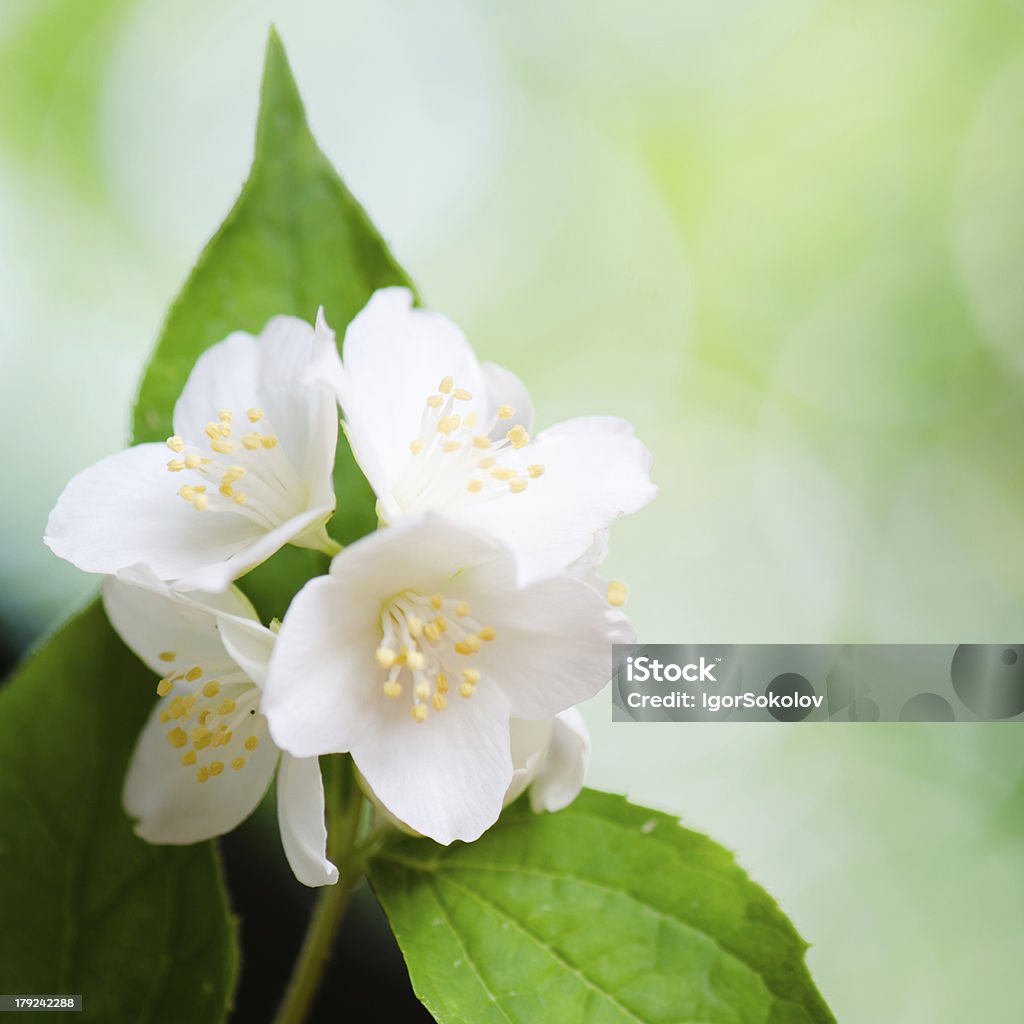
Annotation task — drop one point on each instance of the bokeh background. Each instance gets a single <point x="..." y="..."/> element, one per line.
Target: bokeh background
<point x="785" y="238"/>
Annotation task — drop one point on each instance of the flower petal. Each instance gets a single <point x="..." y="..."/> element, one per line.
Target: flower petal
<point x="420" y="552"/>
<point x="445" y="777"/>
<point x="163" y="627"/>
<point x="216" y="574"/>
<point x="560" y="776"/>
<point x="300" y="815"/>
<point x="594" y="471"/>
<point x="125" y="510"/>
<point x="271" y="373"/>
<point x="249" y="644"/>
<point x="552" y="648"/>
<point x="394" y="358"/>
<point x="172" y="806"/>
<point x="530" y="741"/>
<point x="505" y="388"/>
<point x="322" y="678"/>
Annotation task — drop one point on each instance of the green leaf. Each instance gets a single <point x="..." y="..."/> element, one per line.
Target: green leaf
<point x="604" y="913"/>
<point x="142" y="932"/>
<point x="296" y="239"/>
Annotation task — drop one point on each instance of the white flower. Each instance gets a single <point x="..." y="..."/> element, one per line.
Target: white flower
<point x="416" y="651"/>
<point x="247" y="471"/>
<point x="433" y="429"/>
<point x="204" y="760"/>
<point x="549" y="757"/>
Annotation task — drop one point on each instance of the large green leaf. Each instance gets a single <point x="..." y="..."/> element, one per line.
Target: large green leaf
<point x="296" y="239"/>
<point x="604" y="913"/>
<point x="142" y="932"/>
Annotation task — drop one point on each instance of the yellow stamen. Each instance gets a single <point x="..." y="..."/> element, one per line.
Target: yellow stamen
<point x="462" y="608"/>
<point x="176" y="465"/>
<point x="440" y="702"/>
<point x="535" y="470"/>
<point x="446" y="385"/>
<point x="419" y="712"/>
<point x="423" y="690"/>
<point x="168" y="655"/>
<point x="617" y="593"/>
<point x="226" y="708"/>
<point x="436" y="601"/>
<point x="203" y="774"/>
<point x="488" y="633"/>
<point x="392" y="689"/>
<point x="466" y="689"/>
<point x="252" y="743"/>
<point x="506" y="412"/>
<point x="211" y="689"/>
<point x="255" y="414"/>
<point x="175" y="443"/>
<point x="481" y="441"/>
<point x="435" y="401"/>
<point x="164" y="687"/>
<point x="463" y="395"/>
<point x="189" y="757"/>
<point x="238" y="764"/>
<point x="471" y="675"/>
<point x="475" y="486"/>
<point x="517" y="486"/>
<point x="177" y="737"/>
<point x="416" y="446"/>
<point x="441" y="682"/>
<point x="385" y="657"/>
<point x="216" y="767"/>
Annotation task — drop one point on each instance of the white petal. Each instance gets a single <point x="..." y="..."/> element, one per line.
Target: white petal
<point x="217" y="574"/>
<point x="552" y="649"/>
<point x="125" y="510"/>
<point x="323" y="678"/>
<point x="300" y="815"/>
<point x="505" y="388"/>
<point x="172" y="806"/>
<point x="156" y="622"/>
<point x="418" y="552"/>
<point x="272" y="373"/>
<point x="394" y="357"/>
<point x="560" y="776"/>
<point x="249" y="644"/>
<point x="445" y="777"/>
<point x="595" y="471"/>
<point x="529" y="744"/>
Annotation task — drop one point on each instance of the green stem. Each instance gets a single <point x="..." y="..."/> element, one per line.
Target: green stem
<point x="344" y="807"/>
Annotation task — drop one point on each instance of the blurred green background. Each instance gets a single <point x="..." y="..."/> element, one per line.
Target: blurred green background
<point x="785" y="238"/>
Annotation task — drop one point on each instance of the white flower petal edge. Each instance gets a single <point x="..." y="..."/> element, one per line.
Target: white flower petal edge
<point x="551" y="760"/>
<point x="204" y="760"/>
<point x="434" y="430"/>
<point x="415" y="652"/>
<point x="247" y="470"/>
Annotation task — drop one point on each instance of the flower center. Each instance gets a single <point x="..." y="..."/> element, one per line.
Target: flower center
<point x="427" y="643"/>
<point x="213" y="721"/>
<point x="223" y="461"/>
<point x="455" y="462"/>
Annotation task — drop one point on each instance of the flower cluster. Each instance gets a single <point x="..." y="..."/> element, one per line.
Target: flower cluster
<point x="446" y="651"/>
